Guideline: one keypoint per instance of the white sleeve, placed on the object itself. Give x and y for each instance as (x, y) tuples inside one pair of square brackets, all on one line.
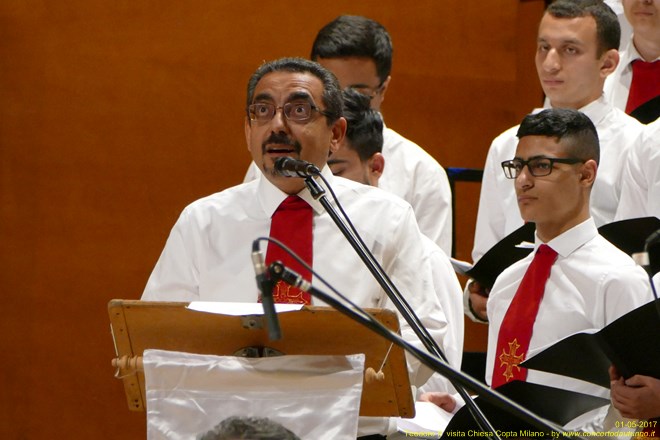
[(491, 218), (176, 276), (410, 271)]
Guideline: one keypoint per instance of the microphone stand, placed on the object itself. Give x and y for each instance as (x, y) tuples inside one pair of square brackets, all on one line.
[(280, 272), (397, 299)]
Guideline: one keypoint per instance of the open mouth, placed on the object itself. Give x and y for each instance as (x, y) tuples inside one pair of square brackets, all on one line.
[(280, 149)]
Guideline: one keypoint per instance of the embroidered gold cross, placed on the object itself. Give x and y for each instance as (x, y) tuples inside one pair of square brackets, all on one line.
[(285, 294), (510, 359)]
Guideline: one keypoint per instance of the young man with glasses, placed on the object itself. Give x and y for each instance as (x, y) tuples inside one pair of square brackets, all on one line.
[(576, 50), (589, 283), (294, 109), (358, 51)]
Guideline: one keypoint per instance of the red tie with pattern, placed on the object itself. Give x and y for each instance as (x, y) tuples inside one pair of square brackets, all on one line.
[(645, 84), (292, 225), (516, 329)]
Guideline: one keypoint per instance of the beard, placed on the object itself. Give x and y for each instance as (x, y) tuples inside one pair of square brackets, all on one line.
[(278, 143)]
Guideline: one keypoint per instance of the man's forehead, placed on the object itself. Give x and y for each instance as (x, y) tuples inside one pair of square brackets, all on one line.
[(289, 83), (580, 29), (538, 146), (352, 71)]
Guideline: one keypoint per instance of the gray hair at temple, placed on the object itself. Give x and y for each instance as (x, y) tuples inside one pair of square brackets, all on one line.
[(331, 91), (572, 127)]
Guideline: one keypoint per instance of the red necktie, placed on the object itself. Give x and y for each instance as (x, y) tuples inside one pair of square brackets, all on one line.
[(292, 225), (645, 84), (516, 329)]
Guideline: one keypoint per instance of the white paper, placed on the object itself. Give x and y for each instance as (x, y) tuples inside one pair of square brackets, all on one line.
[(239, 309), (430, 421)]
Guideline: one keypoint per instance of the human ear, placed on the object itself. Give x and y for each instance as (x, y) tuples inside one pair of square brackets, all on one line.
[(383, 88), (588, 172), (248, 129), (376, 165), (609, 61), (338, 133)]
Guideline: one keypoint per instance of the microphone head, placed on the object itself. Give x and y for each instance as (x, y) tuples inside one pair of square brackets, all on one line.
[(283, 163), (290, 167)]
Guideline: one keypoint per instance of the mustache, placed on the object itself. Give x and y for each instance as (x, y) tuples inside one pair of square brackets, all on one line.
[(281, 139)]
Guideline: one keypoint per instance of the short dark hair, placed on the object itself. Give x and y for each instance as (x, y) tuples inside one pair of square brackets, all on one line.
[(364, 129), (570, 126), (608, 29), (252, 428), (355, 36), (331, 89)]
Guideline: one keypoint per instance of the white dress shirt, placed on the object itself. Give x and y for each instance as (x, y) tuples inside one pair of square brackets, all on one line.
[(412, 174), (498, 213), (591, 284), (207, 256), (450, 296), (640, 190)]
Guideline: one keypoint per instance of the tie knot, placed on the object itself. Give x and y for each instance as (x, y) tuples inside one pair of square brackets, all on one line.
[(544, 249), (293, 203)]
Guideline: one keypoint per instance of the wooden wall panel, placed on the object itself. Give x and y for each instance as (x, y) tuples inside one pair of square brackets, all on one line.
[(115, 115)]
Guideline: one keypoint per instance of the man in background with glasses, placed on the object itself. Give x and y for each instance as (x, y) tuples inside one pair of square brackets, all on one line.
[(294, 109), (576, 50), (358, 51), (588, 282)]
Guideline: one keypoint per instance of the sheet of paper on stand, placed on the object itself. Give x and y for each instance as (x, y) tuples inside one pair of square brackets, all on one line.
[(239, 309), (429, 422)]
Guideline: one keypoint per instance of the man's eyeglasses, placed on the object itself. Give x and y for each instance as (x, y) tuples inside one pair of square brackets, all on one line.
[(369, 91), (293, 111), (538, 166)]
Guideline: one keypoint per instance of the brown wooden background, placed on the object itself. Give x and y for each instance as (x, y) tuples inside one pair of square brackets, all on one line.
[(116, 114)]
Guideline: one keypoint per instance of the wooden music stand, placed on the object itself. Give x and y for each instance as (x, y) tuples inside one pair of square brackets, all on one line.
[(140, 325)]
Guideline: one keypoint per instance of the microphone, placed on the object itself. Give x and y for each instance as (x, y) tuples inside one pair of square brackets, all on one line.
[(265, 285), (290, 167), (290, 276)]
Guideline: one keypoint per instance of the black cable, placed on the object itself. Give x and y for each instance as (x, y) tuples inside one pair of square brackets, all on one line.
[(353, 237), (435, 363)]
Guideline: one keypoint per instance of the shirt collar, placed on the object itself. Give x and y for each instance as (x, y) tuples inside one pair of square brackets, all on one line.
[(270, 196), (597, 110), (628, 55), (571, 240)]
